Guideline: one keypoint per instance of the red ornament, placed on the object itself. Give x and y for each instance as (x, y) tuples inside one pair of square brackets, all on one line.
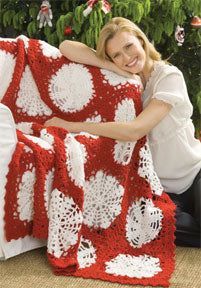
[(68, 30), (196, 22)]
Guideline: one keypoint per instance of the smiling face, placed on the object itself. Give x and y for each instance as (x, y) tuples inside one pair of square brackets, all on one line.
[(126, 51)]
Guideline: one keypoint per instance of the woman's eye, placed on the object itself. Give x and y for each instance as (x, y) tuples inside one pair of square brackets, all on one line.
[(128, 46), (116, 56)]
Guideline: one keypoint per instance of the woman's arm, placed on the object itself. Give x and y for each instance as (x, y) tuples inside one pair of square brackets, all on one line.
[(122, 131), (81, 53)]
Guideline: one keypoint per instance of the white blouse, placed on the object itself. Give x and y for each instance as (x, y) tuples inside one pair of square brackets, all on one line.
[(175, 151)]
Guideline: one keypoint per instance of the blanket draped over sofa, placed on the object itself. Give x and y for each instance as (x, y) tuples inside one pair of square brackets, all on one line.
[(97, 201)]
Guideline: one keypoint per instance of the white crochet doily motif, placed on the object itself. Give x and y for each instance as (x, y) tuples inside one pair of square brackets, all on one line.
[(25, 127), (29, 97), (102, 200), (146, 170), (25, 195), (75, 159), (27, 150), (95, 118), (116, 80), (143, 266), (44, 135), (7, 65), (48, 189), (65, 219), (125, 111), (143, 222), (86, 253), (66, 92), (49, 50), (43, 144), (123, 151)]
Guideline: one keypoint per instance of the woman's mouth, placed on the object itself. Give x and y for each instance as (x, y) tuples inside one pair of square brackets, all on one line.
[(131, 64)]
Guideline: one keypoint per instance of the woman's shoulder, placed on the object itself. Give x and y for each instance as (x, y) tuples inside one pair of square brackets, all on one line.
[(161, 70), (166, 68), (164, 74)]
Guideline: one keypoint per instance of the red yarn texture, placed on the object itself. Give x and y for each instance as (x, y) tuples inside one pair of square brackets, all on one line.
[(97, 201)]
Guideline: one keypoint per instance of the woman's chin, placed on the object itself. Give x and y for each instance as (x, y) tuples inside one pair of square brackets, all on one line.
[(135, 69)]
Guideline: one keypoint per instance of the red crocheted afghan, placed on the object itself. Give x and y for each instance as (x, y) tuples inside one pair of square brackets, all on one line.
[(97, 201)]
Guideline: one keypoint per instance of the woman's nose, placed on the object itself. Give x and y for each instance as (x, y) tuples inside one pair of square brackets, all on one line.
[(126, 57)]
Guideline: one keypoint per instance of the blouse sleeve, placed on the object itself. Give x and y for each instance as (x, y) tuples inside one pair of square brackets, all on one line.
[(171, 88)]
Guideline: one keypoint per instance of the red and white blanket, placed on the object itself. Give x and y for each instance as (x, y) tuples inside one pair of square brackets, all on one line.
[(97, 201)]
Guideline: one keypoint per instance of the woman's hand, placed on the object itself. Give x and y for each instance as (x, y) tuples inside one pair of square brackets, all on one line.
[(70, 126), (109, 65), (55, 121)]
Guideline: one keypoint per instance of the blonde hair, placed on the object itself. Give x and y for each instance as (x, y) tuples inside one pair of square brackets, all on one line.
[(122, 24)]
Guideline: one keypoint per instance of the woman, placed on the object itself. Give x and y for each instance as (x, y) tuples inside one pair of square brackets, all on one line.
[(124, 49)]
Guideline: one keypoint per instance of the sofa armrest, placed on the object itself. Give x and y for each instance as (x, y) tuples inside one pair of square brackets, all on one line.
[(8, 141)]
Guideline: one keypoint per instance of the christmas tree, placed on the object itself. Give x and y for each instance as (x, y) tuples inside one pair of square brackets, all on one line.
[(83, 20)]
